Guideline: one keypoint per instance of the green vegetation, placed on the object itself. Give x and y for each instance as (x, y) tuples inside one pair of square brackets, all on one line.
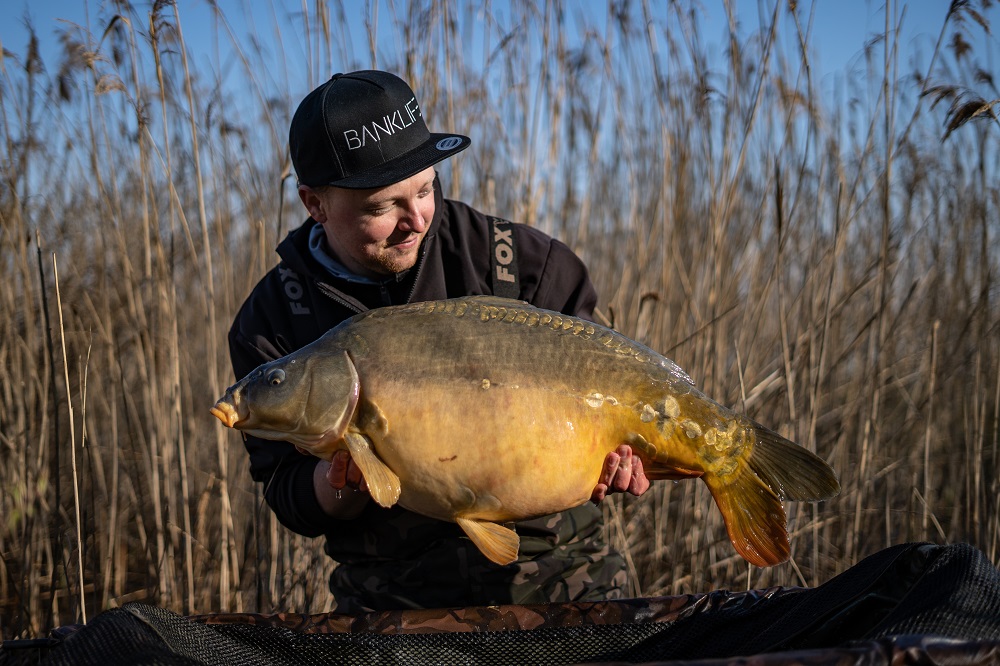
[(826, 261)]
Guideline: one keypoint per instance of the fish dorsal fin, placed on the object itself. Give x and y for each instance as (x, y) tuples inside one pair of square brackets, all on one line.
[(496, 301), (497, 542), (383, 484)]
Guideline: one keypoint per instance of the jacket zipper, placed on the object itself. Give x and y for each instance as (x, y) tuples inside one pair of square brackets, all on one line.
[(420, 265), (334, 295)]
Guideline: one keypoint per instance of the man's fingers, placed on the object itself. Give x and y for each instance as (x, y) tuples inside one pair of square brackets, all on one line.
[(623, 473), (337, 474), (610, 469), (600, 492), (638, 483), (609, 480), (344, 473)]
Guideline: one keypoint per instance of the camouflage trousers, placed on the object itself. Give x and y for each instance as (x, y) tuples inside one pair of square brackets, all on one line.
[(563, 557)]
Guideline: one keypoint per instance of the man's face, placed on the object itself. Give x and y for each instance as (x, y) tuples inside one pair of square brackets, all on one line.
[(375, 232)]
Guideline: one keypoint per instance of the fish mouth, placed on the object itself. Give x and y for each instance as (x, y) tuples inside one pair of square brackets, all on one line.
[(225, 412)]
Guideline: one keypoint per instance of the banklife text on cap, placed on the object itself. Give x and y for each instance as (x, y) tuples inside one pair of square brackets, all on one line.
[(364, 130)]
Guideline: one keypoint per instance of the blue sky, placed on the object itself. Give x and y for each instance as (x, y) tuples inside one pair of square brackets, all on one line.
[(841, 27)]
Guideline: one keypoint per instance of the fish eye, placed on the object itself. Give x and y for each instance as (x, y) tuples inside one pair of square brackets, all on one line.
[(275, 377)]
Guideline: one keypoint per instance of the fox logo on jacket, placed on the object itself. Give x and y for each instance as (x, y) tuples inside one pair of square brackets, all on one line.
[(503, 259)]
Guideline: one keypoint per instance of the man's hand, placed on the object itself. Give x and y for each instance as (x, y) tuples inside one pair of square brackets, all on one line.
[(344, 473), (340, 487), (622, 472)]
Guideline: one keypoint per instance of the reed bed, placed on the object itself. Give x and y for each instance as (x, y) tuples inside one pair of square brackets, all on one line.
[(821, 252)]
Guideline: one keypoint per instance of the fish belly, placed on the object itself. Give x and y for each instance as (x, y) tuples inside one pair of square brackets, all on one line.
[(497, 453)]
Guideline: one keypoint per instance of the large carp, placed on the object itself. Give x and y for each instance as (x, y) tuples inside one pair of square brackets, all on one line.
[(483, 410)]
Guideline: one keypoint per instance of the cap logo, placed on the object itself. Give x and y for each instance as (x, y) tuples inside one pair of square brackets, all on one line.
[(374, 130), (449, 143)]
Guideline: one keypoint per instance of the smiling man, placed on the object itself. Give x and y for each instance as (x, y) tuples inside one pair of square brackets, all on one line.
[(379, 233), (374, 232)]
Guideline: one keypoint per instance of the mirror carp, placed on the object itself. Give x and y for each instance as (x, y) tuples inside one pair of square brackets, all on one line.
[(483, 410)]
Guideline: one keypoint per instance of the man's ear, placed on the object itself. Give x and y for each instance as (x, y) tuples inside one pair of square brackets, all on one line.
[(313, 203)]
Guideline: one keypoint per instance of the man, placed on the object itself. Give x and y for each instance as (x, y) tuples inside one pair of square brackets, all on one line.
[(380, 233)]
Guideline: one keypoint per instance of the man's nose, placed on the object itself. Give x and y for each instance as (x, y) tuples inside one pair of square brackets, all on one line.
[(412, 219)]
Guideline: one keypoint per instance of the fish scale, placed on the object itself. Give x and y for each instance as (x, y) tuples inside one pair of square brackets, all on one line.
[(484, 411)]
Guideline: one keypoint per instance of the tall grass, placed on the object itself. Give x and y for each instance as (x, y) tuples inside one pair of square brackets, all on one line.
[(823, 255)]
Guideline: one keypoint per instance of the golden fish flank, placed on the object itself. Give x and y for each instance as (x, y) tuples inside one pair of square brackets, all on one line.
[(562, 393)]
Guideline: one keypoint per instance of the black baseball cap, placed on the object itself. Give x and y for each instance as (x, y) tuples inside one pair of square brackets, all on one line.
[(363, 130)]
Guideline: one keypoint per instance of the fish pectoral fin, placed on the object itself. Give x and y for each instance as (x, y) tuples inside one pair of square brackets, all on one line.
[(383, 484), (497, 542)]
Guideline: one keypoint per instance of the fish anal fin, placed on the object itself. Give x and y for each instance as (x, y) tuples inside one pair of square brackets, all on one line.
[(754, 516), (383, 484), (496, 542)]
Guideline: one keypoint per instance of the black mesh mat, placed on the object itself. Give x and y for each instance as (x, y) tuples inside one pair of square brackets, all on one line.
[(907, 604)]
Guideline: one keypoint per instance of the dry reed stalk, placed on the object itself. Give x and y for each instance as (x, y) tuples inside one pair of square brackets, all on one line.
[(229, 559), (72, 440), (928, 429), (995, 487), (175, 354), (54, 530), (152, 396)]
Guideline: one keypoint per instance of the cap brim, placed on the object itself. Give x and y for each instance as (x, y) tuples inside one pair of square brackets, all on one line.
[(438, 147)]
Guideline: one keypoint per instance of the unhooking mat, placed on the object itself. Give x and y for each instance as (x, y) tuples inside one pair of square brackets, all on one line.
[(913, 603)]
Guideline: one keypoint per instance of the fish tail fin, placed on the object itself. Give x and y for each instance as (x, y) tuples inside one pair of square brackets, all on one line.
[(793, 472), (755, 519), (750, 496)]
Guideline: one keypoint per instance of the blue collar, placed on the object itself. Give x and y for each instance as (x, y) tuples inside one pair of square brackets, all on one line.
[(318, 248)]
